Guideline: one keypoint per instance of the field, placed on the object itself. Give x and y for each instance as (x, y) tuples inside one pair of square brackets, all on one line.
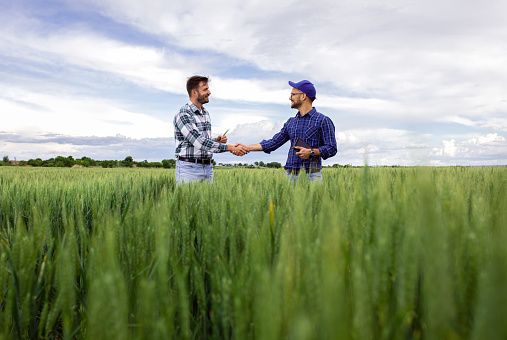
[(371, 253)]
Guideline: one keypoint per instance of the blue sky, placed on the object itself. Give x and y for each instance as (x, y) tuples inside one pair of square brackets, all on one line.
[(405, 82)]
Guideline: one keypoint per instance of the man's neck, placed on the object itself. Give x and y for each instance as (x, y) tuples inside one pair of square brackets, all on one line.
[(304, 109), (197, 104)]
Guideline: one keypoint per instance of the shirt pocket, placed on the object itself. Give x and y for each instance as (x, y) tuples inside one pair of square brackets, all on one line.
[(312, 135)]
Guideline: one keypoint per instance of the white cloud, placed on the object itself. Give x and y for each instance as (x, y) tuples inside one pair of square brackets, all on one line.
[(399, 54), (459, 120), (253, 133), (147, 66), (489, 149), (163, 70), (35, 113), (116, 147)]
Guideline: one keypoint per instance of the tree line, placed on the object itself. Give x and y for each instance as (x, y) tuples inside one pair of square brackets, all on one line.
[(69, 161), (128, 162)]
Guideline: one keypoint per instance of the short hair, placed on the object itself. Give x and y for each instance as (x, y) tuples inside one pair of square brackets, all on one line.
[(193, 83)]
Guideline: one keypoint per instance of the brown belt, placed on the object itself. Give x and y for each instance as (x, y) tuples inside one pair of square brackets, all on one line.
[(204, 161), (311, 171)]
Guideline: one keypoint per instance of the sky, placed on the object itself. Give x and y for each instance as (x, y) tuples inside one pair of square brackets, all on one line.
[(405, 82)]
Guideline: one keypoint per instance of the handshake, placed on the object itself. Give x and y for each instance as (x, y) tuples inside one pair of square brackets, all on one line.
[(238, 149)]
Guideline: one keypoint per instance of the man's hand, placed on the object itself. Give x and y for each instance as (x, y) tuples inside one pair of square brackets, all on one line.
[(238, 149), (221, 139), (302, 152)]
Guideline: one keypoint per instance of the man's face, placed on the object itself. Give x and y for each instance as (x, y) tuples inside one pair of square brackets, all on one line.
[(203, 93), (295, 98)]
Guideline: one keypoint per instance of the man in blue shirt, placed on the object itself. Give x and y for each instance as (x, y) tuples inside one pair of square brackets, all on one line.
[(312, 127)]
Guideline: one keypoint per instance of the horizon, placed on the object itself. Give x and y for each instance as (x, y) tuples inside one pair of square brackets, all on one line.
[(16, 162)]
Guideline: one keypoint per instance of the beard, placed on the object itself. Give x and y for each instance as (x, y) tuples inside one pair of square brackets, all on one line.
[(295, 105), (203, 99)]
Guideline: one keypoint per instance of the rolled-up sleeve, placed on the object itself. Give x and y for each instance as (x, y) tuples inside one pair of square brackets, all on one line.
[(277, 141), (187, 127), (328, 146)]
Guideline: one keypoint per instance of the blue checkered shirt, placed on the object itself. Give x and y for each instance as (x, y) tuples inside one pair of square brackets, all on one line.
[(192, 131), (315, 129)]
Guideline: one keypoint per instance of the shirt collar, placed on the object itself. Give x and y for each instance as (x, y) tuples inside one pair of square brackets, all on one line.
[(195, 109), (309, 113)]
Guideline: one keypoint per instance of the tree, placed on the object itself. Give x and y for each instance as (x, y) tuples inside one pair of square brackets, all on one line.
[(35, 162), (61, 161), (87, 161), (69, 161), (169, 163), (128, 162), (275, 165), (6, 159)]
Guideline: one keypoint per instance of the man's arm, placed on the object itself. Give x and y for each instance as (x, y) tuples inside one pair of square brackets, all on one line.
[(272, 144), (238, 149), (306, 153), (328, 146), (254, 147), (186, 125)]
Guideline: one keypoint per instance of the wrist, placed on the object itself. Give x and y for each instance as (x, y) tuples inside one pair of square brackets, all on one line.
[(254, 147)]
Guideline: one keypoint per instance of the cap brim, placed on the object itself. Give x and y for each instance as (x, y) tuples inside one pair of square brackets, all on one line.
[(293, 84)]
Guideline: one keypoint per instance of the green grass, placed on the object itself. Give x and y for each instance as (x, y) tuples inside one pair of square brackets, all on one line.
[(373, 253)]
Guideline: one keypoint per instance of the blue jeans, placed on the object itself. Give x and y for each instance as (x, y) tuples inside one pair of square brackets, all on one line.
[(190, 172), (314, 176)]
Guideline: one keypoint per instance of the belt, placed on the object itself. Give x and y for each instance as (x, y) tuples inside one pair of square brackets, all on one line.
[(296, 171), (204, 161)]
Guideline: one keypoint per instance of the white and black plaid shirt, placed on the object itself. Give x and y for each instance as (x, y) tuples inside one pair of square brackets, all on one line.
[(192, 131)]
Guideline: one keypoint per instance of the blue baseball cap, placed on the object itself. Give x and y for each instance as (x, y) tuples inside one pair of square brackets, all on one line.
[(306, 86)]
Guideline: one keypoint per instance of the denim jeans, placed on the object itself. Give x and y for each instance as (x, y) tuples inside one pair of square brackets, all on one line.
[(315, 176), (190, 172)]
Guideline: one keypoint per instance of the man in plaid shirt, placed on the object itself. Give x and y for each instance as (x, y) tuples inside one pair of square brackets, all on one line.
[(312, 127), (192, 131)]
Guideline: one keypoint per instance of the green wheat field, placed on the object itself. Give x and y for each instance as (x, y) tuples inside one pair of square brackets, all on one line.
[(370, 253)]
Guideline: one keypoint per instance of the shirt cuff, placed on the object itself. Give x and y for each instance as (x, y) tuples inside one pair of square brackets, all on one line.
[(265, 146), (222, 147)]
